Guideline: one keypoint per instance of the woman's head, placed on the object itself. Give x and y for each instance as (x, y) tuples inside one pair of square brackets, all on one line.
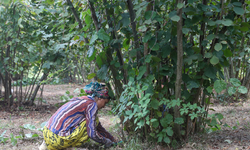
[(99, 92)]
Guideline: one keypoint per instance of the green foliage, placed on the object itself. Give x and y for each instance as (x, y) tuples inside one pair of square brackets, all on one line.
[(236, 87), (77, 93), (2, 138), (138, 56)]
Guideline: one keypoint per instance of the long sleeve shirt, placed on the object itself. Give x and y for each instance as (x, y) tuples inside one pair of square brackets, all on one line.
[(69, 116)]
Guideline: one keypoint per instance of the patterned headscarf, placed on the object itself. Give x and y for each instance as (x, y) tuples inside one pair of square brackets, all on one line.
[(97, 89)]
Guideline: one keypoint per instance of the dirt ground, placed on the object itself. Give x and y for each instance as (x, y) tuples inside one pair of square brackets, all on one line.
[(236, 115)]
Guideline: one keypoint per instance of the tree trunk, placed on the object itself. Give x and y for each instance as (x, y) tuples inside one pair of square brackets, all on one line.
[(176, 128), (133, 24), (32, 99), (118, 85)]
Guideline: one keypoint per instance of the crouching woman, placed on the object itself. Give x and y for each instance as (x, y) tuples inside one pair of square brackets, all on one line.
[(76, 121)]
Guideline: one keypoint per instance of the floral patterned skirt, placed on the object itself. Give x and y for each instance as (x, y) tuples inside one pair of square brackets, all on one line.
[(76, 139)]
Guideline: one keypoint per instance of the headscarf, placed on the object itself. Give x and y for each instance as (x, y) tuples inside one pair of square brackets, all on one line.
[(97, 89)]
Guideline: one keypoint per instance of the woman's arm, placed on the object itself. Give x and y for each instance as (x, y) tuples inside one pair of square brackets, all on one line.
[(91, 112), (101, 130)]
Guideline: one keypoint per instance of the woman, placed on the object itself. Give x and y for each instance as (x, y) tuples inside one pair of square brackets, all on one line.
[(76, 121)]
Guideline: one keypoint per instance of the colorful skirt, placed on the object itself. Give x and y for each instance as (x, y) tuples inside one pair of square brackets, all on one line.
[(76, 139)]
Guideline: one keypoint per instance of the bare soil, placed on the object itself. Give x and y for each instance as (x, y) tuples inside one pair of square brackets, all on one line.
[(236, 115)]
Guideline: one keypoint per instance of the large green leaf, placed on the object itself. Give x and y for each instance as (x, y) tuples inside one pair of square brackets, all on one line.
[(142, 70), (88, 20), (242, 89), (150, 15), (227, 22), (170, 131), (218, 46), (102, 73), (231, 90), (125, 19), (166, 120), (102, 35), (154, 104), (239, 10), (214, 60), (166, 140), (235, 82), (179, 121), (210, 37), (175, 18), (192, 84), (220, 85), (92, 75), (93, 38), (91, 51), (227, 53)]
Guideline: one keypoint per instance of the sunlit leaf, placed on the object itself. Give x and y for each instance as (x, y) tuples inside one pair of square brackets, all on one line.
[(175, 18), (235, 82), (214, 60), (242, 89), (91, 76), (218, 46)]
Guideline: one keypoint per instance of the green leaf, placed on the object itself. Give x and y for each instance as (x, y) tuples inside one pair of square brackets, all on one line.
[(244, 29), (180, 5), (219, 116), (166, 140), (155, 124), (170, 131), (192, 84), (46, 65), (148, 58), (235, 82), (90, 51), (211, 37), (102, 35), (237, 3), (150, 15), (154, 104), (220, 85), (242, 89), (76, 38), (239, 10), (88, 20), (175, 18), (166, 120), (214, 60), (146, 38), (211, 23), (228, 53), (208, 55), (155, 47), (209, 89), (35, 135), (227, 22), (125, 19), (218, 46), (185, 30), (178, 121), (231, 90), (102, 73), (92, 75), (93, 38), (142, 70)]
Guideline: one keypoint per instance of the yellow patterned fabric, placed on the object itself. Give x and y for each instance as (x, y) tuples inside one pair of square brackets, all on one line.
[(76, 139)]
